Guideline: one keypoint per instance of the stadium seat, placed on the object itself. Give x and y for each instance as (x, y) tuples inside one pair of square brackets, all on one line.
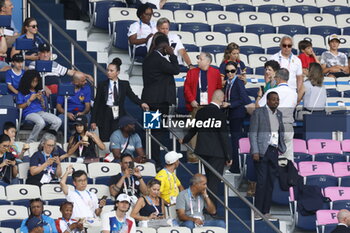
[(325, 30), (247, 18), (13, 212), (175, 6), (76, 166), (260, 29), (145, 230), (227, 28), (207, 7), (317, 40), (8, 113), (270, 9), (321, 181), (244, 39), (3, 199), (157, 14), (229, 2), (222, 17), (181, 102), (52, 192), (193, 56), (249, 50), (299, 145), (308, 168), (6, 230), (341, 204), (52, 211), (333, 92), (214, 49), (209, 229), (195, 27), (325, 218), (103, 169), (259, 70), (119, 33), (100, 11), (345, 181), (22, 193), (324, 3), (337, 193), (242, 7), (282, 18), (103, 153), (343, 84), (267, 2), (345, 145), (147, 169), (292, 30), (173, 230), (343, 20), (186, 37), (271, 40), (188, 16), (304, 9), (315, 19), (23, 171), (341, 169), (300, 157), (120, 13), (210, 38), (290, 3), (7, 100), (323, 146), (330, 157), (335, 10), (257, 60), (99, 189)]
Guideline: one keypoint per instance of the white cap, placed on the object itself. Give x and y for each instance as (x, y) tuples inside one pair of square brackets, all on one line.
[(123, 197), (333, 37), (172, 156)]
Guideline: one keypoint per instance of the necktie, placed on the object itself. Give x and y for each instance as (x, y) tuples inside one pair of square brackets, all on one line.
[(228, 85), (115, 93)]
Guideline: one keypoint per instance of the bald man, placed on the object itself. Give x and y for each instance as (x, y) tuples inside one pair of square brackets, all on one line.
[(212, 142), (344, 222)]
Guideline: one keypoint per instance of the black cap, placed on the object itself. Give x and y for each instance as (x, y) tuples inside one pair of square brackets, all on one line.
[(81, 120), (126, 120), (44, 47), (17, 58)]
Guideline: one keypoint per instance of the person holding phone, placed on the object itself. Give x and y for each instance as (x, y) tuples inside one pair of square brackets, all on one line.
[(66, 224), (8, 168)]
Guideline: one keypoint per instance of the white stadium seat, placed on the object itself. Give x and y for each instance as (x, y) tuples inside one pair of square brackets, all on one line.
[(284, 18), (99, 189), (323, 3), (210, 38), (343, 20), (103, 169), (145, 230), (157, 14), (244, 39), (218, 17), (76, 167), (173, 230), (257, 60), (23, 169), (147, 169), (6, 230), (187, 16), (290, 3), (186, 37), (22, 192), (248, 18), (209, 229), (53, 191), (103, 153), (267, 2), (52, 211), (121, 13), (271, 40), (314, 19), (316, 40), (192, 2), (8, 212)]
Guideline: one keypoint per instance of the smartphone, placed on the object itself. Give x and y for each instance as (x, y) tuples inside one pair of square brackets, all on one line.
[(131, 165), (104, 197), (160, 214), (173, 45), (262, 89)]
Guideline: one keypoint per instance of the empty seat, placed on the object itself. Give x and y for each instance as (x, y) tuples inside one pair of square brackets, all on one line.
[(238, 8), (193, 2), (100, 11), (145, 230), (186, 37), (304, 9), (220, 17), (343, 84), (300, 157), (157, 14), (121, 13), (325, 30), (207, 7), (341, 204), (337, 193), (271, 40), (308, 168), (103, 169), (210, 38), (195, 27), (173, 229), (244, 146), (214, 49), (244, 39), (335, 10), (227, 28), (345, 144), (299, 145), (324, 3), (6, 230), (99, 189), (53, 192), (229, 2), (249, 50), (321, 181), (76, 166), (281, 18), (52, 211), (187, 16), (292, 30), (247, 18), (326, 217), (267, 2), (343, 20), (290, 3), (270, 9), (316, 40), (257, 60), (323, 146), (341, 169), (330, 157), (260, 29), (314, 19), (22, 192), (174, 6), (209, 229), (8, 212), (147, 169)]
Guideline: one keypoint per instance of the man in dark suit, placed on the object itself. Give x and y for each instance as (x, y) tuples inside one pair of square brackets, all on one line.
[(212, 143), (344, 222), (159, 89), (266, 136)]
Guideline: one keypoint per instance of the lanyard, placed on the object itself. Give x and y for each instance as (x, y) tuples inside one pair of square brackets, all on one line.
[(200, 83), (81, 147), (67, 223), (131, 181), (283, 84), (289, 60), (82, 196), (50, 168), (154, 206), (191, 205), (228, 91), (169, 179)]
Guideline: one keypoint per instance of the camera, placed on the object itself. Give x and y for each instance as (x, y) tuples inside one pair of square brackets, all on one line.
[(131, 165), (10, 156)]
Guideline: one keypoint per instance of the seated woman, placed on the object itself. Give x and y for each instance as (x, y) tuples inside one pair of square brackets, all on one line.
[(151, 206), (8, 168), (33, 101), (45, 164), (38, 218), (140, 32), (82, 143)]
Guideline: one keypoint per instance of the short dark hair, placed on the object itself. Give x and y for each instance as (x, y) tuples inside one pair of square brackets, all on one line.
[(231, 63), (142, 9), (303, 44), (270, 94), (126, 155), (65, 203), (8, 124), (78, 174), (4, 138), (273, 64)]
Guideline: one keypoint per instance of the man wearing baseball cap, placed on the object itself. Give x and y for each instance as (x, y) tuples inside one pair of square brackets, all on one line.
[(333, 62), (170, 184), (117, 220)]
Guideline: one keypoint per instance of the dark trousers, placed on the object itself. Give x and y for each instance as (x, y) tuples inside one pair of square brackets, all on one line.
[(108, 126), (266, 171), (236, 126), (213, 181)]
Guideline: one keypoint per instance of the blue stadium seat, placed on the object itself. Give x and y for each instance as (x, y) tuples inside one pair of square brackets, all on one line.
[(181, 103), (227, 28), (292, 29), (325, 30), (345, 181), (319, 51), (345, 50), (247, 50), (333, 92), (100, 12), (7, 100), (328, 228), (322, 181), (2, 76), (238, 8), (272, 9), (191, 48), (102, 180), (299, 157), (341, 204), (3, 89), (8, 113), (259, 70), (55, 201), (205, 7), (174, 6), (195, 27), (249, 70), (12, 223), (330, 157), (174, 26), (120, 34), (336, 10), (214, 49), (346, 31), (260, 29), (304, 9), (278, 195)]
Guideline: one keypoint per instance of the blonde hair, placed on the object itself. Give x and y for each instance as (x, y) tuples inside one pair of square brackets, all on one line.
[(229, 48)]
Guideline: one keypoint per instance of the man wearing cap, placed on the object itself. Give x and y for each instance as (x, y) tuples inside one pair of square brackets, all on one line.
[(170, 185), (118, 220), (14, 75), (51, 78), (333, 62)]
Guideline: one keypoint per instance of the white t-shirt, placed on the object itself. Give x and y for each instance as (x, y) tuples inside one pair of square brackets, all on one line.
[(142, 30), (112, 224), (292, 64), (85, 203)]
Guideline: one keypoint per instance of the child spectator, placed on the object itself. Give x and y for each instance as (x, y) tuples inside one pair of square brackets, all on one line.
[(67, 223), (9, 129), (14, 75), (307, 56)]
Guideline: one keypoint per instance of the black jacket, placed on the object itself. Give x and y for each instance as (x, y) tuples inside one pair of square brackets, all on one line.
[(341, 229)]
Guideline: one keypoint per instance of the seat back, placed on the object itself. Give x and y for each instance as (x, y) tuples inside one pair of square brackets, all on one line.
[(187, 16), (147, 169), (76, 167), (103, 169), (220, 17), (282, 18), (6, 230), (316, 40), (308, 168), (337, 193), (22, 192), (145, 230), (8, 212), (248, 18), (23, 169), (315, 19), (99, 189), (244, 146), (257, 60), (173, 230), (323, 146), (345, 145), (299, 145), (52, 211), (271, 40), (210, 38), (324, 217), (53, 191), (209, 229), (244, 39), (157, 14)]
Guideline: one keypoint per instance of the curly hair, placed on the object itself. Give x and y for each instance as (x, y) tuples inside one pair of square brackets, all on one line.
[(26, 82)]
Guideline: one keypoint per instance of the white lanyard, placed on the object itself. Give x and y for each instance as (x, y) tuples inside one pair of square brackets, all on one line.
[(82, 196), (131, 181), (289, 61), (154, 206), (169, 179), (191, 205)]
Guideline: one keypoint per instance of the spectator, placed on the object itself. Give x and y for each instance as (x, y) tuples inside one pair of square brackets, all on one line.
[(170, 185), (199, 87), (163, 26), (67, 223), (9, 129), (33, 101), (14, 75), (333, 62), (314, 93), (52, 78), (151, 206), (8, 167), (83, 143), (236, 98), (307, 55), (266, 136), (3, 51), (109, 100), (126, 141), (6, 8), (159, 89), (288, 100), (85, 203), (344, 222), (128, 181), (232, 54), (45, 164), (191, 202), (271, 68), (37, 218), (118, 220), (141, 31), (292, 63), (29, 31)]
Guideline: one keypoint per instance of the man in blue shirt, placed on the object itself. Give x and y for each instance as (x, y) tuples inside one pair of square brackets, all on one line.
[(14, 75)]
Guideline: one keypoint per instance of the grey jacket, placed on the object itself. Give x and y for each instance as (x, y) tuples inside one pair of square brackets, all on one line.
[(260, 132)]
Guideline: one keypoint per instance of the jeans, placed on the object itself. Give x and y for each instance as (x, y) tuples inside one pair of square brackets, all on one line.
[(207, 223)]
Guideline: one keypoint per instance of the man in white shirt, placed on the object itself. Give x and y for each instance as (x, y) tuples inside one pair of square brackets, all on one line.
[(292, 63), (288, 101), (86, 204)]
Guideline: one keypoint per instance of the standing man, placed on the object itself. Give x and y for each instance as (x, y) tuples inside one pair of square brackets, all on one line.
[(288, 99), (292, 63), (159, 90), (266, 136), (344, 222), (199, 87), (212, 143)]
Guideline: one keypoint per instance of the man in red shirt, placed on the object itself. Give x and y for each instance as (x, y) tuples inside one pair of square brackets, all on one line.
[(307, 56)]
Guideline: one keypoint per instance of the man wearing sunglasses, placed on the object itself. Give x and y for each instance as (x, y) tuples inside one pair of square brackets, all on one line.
[(292, 63)]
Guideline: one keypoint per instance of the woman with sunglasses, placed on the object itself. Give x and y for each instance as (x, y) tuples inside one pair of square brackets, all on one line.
[(236, 98), (29, 31), (8, 168)]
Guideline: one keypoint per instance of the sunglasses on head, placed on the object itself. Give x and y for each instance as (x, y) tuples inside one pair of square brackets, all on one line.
[(287, 45), (230, 71), (33, 26)]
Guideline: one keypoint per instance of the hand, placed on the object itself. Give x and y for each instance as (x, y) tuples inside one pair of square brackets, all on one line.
[(197, 221), (93, 126), (225, 104), (243, 77), (57, 159), (76, 225), (69, 169), (181, 141), (153, 215), (4, 163), (33, 97), (169, 50), (88, 76), (204, 192), (137, 172), (194, 104), (70, 116), (102, 202), (140, 159), (13, 163), (191, 67), (47, 91), (80, 114), (127, 172), (89, 134), (228, 163), (313, 54), (84, 143), (260, 92), (256, 157), (267, 78), (145, 107), (50, 161), (80, 225)]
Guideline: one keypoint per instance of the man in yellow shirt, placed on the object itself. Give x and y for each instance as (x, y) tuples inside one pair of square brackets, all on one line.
[(170, 184)]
